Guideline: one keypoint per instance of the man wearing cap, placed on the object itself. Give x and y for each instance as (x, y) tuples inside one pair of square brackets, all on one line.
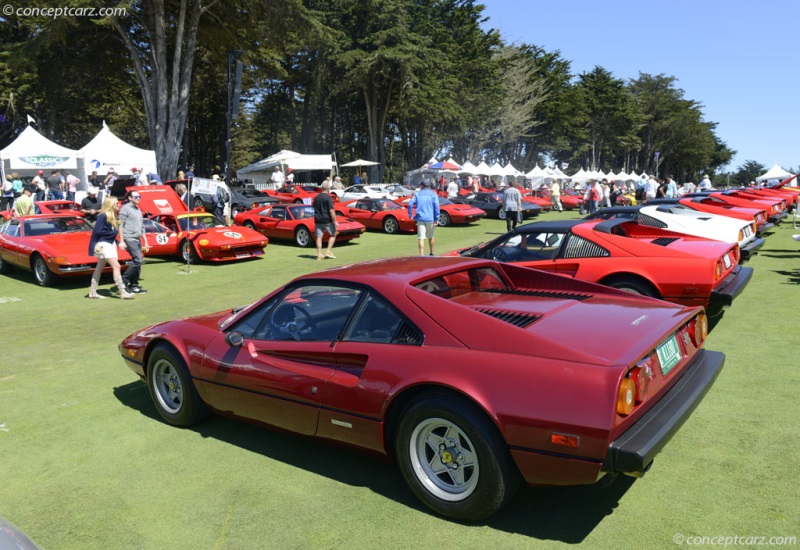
[(426, 203), (91, 204), (705, 183), (139, 176), (41, 186), (131, 238), (277, 177)]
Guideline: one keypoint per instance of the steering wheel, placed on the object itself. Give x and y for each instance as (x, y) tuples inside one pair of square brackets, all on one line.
[(291, 322), (499, 253)]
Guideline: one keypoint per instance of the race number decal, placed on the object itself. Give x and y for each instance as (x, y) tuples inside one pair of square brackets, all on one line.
[(232, 235), (162, 238)]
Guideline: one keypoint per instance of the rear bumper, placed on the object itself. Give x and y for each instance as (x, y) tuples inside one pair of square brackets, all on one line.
[(634, 451), (731, 287), (765, 228), (752, 247), (778, 218)]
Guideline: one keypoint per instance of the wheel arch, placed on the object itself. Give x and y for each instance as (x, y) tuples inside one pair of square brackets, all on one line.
[(621, 276), (412, 393), (163, 340)]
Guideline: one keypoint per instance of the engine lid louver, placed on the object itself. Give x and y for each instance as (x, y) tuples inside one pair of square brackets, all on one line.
[(515, 318), (558, 295), (664, 241)]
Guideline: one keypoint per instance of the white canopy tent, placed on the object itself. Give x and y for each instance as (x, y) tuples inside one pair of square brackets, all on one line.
[(776, 173), (31, 152), (482, 169), (580, 176), (468, 168), (260, 173), (106, 151)]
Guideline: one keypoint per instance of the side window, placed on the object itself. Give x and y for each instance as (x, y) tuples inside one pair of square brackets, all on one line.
[(380, 323), (255, 319), (309, 313), (12, 228)]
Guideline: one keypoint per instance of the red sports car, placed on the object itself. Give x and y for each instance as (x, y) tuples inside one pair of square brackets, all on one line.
[(393, 356), (69, 208), (383, 214), (298, 194), (623, 254), (775, 210), (200, 235), (711, 204), (451, 213), (294, 223), (540, 197), (50, 246)]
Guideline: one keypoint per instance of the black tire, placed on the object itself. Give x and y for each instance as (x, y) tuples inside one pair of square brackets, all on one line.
[(302, 236), (5, 267), (298, 201), (470, 475), (41, 272), (444, 219), (250, 225), (501, 214), (188, 253), (197, 202), (172, 389), (633, 285), (390, 225)]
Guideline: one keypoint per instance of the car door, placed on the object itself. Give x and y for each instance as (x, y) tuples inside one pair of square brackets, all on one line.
[(268, 220), (361, 211), (278, 374), (10, 247), (160, 240)]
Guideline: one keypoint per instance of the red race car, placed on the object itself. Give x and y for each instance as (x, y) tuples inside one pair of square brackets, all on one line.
[(299, 194), (294, 223), (451, 213), (50, 246), (623, 254), (383, 214), (199, 235), (392, 356)]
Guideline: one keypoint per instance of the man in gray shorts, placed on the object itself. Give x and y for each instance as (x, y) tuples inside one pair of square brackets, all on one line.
[(427, 214), (324, 220)]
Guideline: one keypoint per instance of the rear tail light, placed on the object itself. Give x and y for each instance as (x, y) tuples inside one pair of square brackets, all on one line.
[(626, 398), (753, 228), (741, 235), (698, 330), (641, 376), (737, 253), (719, 269)]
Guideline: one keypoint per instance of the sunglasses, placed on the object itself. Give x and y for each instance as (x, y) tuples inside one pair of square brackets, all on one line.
[(136, 196)]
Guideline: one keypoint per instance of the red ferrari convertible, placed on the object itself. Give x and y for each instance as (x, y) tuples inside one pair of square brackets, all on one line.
[(198, 235), (50, 246), (451, 213), (394, 356), (293, 223), (383, 214), (298, 194), (623, 254)]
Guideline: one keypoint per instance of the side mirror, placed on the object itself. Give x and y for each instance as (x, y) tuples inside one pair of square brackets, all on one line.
[(234, 339)]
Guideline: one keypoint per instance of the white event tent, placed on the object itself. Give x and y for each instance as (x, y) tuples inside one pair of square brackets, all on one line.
[(106, 151), (776, 173), (31, 152), (260, 173)]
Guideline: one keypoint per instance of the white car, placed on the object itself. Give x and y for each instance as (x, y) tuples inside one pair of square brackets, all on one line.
[(682, 219), (355, 192)]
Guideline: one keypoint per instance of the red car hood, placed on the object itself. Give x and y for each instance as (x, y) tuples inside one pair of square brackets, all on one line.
[(75, 246)]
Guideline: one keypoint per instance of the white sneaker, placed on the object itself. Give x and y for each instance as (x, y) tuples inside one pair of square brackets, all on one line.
[(796, 237)]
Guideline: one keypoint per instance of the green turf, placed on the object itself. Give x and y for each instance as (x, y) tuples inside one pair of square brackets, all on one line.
[(85, 462)]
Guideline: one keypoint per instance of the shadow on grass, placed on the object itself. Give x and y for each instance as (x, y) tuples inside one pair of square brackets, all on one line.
[(566, 514), (792, 276)]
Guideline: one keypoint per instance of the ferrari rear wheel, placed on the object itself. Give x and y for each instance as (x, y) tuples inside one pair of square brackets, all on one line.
[(188, 252), (43, 275), (298, 201), (250, 225), (444, 219), (633, 285), (172, 389), (501, 213), (302, 236), (390, 225), (454, 459), (198, 202), (5, 267)]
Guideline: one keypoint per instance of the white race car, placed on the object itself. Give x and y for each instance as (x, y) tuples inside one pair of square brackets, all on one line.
[(355, 192), (682, 219)]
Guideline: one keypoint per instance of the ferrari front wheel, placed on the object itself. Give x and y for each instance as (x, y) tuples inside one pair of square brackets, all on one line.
[(444, 219), (390, 225), (172, 389), (501, 214), (188, 252), (454, 459), (302, 236), (43, 275)]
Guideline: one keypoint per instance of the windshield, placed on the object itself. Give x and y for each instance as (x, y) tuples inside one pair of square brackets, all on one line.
[(193, 222), (53, 226)]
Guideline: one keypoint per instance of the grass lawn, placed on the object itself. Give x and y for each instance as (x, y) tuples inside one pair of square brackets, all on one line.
[(86, 463)]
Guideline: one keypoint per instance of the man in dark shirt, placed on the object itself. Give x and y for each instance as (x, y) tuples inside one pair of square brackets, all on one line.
[(324, 220), (55, 186), (91, 205)]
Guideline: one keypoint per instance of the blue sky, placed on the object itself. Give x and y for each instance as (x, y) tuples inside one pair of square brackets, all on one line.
[(740, 60)]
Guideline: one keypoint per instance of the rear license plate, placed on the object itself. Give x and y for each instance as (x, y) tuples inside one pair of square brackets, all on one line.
[(727, 260), (669, 354), (241, 256)]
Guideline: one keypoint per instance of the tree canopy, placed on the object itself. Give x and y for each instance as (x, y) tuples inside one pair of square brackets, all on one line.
[(394, 81)]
